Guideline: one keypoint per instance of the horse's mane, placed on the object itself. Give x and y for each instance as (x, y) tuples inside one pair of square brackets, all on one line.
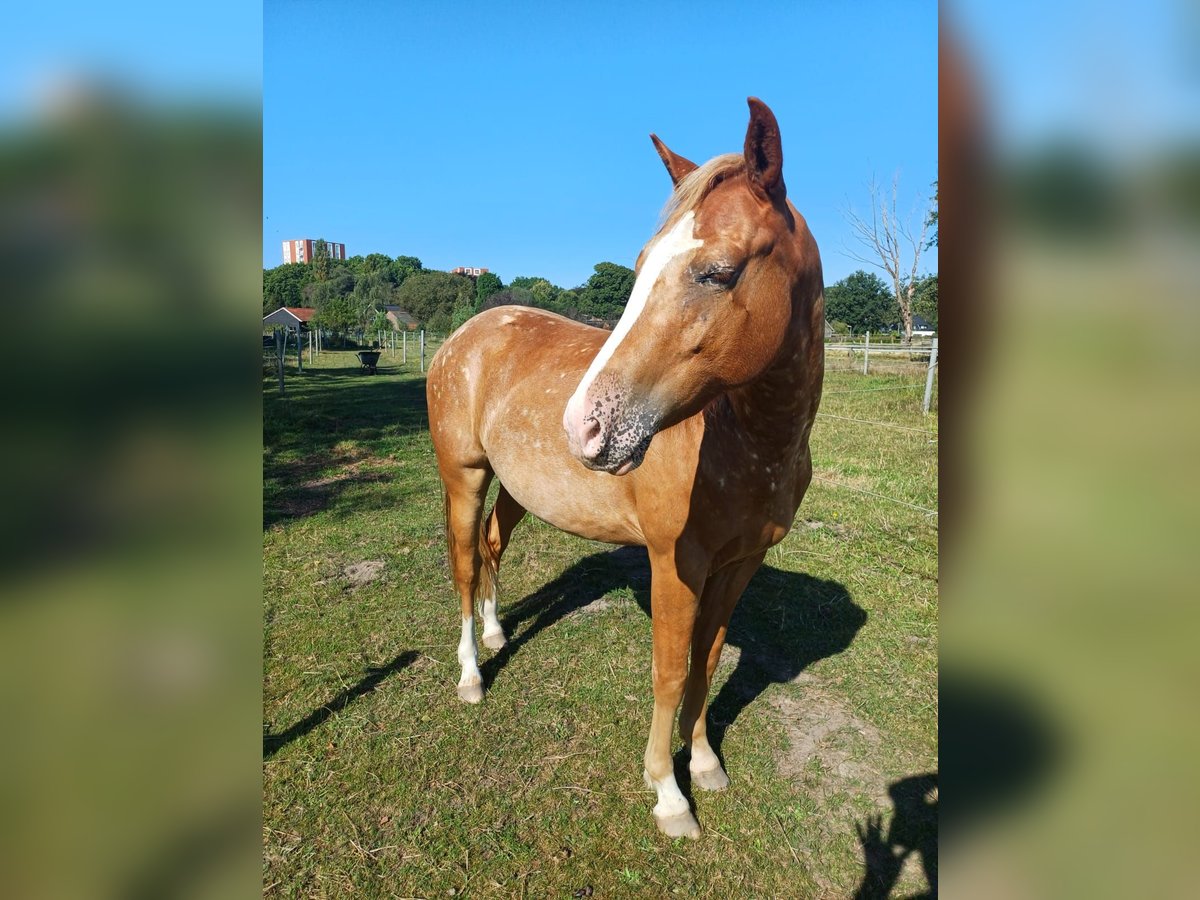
[(697, 184)]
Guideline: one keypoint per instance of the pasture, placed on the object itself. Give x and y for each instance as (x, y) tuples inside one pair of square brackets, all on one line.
[(379, 782)]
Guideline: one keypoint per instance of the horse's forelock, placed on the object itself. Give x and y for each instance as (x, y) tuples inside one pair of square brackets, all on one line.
[(696, 185)]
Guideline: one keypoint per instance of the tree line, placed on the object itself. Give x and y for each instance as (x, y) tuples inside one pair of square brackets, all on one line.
[(353, 294), (863, 301)]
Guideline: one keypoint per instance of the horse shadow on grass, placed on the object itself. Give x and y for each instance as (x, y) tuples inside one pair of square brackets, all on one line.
[(1005, 748), (376, 675), (784, 622), (306, 468)]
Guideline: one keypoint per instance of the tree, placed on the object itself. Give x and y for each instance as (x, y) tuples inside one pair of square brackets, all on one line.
[(486, 285), (320, 260), (863, 301), (432, 296), (607, 291), (932, 220), (404, 266), (377, 262), (925, 300), (884, 238), (284, 285), (372, 293), (510, 296), (380, 321), (544, 294), (462, 311), (337, 313), (567, 303)]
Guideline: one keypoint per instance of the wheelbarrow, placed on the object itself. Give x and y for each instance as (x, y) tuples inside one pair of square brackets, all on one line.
[(368, 360)]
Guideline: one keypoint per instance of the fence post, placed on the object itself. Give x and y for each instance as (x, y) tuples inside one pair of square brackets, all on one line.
[(929, 377), (422, 349), (299, 353), (280, 349), (866, 352), (404, 348)]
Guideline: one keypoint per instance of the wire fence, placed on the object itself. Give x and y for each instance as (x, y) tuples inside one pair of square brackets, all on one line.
[(289, 349), (862, 359)]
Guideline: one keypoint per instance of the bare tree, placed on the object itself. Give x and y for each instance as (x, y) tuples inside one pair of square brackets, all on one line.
[(889, 241)]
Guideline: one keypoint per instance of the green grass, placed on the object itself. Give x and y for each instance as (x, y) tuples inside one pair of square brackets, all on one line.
[(379, 782)]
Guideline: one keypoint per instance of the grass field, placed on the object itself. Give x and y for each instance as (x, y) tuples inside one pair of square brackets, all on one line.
[(378, 782)]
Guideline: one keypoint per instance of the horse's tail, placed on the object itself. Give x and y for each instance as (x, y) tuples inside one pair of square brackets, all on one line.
[(489, 577), (449, 532), (489, 573)]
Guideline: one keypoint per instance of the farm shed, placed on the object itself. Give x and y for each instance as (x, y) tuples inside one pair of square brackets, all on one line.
[(293, 317), (401, 319)]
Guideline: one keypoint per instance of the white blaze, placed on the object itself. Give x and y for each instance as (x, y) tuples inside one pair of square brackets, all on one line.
[(678, 240)]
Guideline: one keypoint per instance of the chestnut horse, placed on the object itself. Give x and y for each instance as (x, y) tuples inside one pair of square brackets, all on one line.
[(686, 429)]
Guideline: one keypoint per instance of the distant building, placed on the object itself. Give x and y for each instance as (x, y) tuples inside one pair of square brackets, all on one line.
[(401, 319), (468, 270), (293, 317), (301, 250)]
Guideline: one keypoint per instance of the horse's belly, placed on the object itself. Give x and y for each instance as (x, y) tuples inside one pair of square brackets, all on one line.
[(555, 487)]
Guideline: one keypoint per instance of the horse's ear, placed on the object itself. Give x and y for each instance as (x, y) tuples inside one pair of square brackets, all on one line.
[(676, 165), (764, 153)]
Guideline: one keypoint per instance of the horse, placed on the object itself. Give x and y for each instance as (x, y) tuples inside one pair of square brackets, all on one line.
[(685, 429)]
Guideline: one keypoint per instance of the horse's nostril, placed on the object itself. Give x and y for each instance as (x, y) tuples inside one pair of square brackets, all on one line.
[(592, 437)]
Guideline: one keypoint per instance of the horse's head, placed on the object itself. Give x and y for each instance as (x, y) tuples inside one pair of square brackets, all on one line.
[(711, 307)]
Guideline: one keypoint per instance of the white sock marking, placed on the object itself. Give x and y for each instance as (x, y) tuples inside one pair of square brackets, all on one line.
[(491, 624), (676, 241), (703, 759), (467, 655), (671, 801)]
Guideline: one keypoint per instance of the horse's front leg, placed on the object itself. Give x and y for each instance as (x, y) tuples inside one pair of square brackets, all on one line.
[(721, 593), (673, 605)]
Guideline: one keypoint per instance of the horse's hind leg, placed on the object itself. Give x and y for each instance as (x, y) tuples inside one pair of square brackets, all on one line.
[(721, 593), (496, 532), (466, 490)]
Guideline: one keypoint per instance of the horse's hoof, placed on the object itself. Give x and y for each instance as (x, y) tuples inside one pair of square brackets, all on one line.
[(682, 825), (712, 780), (495, 641), (471, 692)]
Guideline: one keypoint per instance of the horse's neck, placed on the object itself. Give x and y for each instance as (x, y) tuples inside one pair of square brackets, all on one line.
[(774, 413)]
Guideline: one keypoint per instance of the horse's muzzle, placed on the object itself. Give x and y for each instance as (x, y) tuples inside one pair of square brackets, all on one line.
[(605, 438)]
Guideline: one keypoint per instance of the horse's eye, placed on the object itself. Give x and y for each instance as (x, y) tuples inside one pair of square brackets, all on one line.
[(719, 276)]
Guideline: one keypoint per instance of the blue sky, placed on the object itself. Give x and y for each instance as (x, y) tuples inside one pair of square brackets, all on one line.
[(163, 52), (515, 136)]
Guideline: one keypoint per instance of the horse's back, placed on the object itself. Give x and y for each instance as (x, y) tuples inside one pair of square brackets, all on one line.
[(495, 357)]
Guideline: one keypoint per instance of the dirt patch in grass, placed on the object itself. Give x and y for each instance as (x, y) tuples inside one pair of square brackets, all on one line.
[(829, 758), (816, 525), (862, 482), (825, 735), (364, 572), (599, 605)]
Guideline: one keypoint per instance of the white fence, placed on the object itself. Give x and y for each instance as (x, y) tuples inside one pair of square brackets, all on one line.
[(914, 352)]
